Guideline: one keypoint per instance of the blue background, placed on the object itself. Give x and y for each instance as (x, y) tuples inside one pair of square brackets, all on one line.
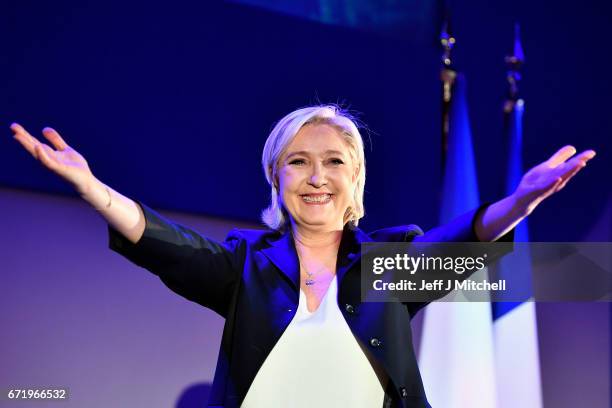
[(171, 104)]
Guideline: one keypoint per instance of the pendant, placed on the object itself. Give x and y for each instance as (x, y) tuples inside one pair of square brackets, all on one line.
[(310, 282)]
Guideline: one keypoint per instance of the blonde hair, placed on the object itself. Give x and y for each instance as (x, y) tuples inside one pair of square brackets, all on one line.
[(275, 216)]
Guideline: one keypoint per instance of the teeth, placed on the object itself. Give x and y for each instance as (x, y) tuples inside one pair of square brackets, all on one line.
[(317, 199)]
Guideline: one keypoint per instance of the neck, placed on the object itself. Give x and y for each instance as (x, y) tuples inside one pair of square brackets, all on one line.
[(315, 239)]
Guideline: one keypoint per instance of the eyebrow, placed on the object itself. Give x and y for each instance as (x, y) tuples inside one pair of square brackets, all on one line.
[(305, 153)]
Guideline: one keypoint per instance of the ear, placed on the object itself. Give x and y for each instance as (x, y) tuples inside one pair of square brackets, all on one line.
[(356, 173), (274, 177)]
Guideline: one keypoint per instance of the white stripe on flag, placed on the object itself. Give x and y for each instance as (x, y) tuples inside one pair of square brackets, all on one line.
[(516, 358), (456, 354)]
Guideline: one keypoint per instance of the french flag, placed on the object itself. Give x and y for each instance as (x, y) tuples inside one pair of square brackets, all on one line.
[(480, 354), (515, 334), (456, 354)]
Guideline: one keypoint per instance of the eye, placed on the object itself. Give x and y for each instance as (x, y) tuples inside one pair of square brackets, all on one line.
[(297, 162), (337, 162)]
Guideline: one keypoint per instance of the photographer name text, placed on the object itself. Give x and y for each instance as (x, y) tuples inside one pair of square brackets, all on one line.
[(440, 285)]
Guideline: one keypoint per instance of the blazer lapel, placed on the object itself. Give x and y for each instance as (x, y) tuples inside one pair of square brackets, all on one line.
[(349, 252), (283, 254)]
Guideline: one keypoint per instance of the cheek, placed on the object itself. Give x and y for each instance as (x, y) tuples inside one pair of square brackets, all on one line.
[(284, 180), (347, 181), (286, 175), (288, 183)]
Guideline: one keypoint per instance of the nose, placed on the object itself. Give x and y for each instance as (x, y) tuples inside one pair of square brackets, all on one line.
[(317, 178)]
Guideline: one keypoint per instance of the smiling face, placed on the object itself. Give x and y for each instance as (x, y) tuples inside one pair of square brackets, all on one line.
[(317, 178)]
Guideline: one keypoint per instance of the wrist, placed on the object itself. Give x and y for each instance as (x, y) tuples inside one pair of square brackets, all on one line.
[(97, 194), (520, 206), (87, 188)]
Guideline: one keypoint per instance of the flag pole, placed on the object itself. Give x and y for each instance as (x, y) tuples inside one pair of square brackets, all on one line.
[(515, 63), (515, 327), (456, 349), (447, 76)]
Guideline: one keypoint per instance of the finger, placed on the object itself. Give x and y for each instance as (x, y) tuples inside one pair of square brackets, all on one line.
[(586, 156), (555, 186), (47, 156), (55, 139), (576, 163), (17, 128), (551, 188), (25, 142), (572, 168), (23, 137), (561, 155), (568, 178)]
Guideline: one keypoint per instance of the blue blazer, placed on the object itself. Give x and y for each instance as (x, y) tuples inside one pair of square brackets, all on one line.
[(253, 280)]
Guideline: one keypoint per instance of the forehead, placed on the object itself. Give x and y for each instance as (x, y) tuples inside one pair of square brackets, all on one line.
[(318, 138)]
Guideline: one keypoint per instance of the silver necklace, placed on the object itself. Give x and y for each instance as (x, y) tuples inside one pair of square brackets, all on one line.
[(309, 279), (310, 276)]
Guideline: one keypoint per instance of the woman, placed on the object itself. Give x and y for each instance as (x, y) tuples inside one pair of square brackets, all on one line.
[(296, 333)]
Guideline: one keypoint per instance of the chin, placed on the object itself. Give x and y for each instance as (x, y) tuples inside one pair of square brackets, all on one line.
[(320, 223)]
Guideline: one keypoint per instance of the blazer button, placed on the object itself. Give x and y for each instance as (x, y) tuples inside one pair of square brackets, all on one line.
[(374, 342), (403, 392), (351, 256), (349, 308)]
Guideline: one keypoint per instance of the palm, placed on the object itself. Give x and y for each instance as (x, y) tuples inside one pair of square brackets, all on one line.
[(61, 159), (551, 176)]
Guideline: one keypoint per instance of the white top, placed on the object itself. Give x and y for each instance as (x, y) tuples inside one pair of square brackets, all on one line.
[(317, 362)]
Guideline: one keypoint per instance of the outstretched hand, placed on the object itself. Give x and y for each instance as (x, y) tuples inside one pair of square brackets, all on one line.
[(62, 159), (550, 176)]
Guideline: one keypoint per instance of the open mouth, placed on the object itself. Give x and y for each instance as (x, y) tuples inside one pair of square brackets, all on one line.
[(316, 198)]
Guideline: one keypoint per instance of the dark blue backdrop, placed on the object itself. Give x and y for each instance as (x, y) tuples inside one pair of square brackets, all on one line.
[(171, 104)]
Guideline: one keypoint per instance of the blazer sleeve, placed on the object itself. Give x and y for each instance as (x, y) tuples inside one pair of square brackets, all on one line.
[(460, 229), (198, 268)]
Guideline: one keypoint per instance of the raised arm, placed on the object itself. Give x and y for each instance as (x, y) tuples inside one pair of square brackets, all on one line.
[(536, 185), (196, 267), (120, 212)]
